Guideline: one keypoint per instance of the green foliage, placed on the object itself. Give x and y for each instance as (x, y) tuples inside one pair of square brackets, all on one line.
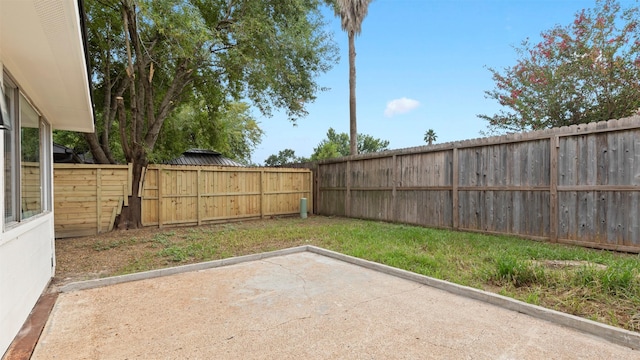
[(229, 129), (30, 144), (430, 136), (516, 271), (326, 150), (621, 279), (70, 139), (583, 72), (192, 61), (163, 238), (352, 13), (180, 253), (286, 156), (337, 145)]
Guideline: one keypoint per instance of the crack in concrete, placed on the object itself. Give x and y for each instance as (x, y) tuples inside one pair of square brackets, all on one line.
[(297, 274), (383, 297), (269, 328)]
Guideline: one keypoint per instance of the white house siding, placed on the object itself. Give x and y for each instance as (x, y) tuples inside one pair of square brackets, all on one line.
[(41, 47), (26, 254), (26, 262)]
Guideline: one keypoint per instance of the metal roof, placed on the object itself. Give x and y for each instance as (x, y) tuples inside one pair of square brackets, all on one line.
[(202, 157)]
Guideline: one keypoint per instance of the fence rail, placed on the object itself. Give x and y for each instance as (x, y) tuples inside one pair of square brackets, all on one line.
[(578, 184)]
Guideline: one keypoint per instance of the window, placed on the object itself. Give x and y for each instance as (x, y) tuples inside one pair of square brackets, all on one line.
[(10, 176), (30, 164), (26, 152)]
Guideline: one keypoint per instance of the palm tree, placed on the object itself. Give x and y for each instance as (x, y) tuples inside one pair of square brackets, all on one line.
[(430, 136), (352, 13)]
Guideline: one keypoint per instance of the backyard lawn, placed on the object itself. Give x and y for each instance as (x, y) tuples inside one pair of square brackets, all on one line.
[(594, 284)]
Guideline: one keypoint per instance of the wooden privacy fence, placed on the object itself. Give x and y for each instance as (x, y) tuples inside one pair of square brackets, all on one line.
[(577, 185), (87, 198), (173, 195)]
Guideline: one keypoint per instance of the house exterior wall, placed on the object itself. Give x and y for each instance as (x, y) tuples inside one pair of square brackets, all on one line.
[(26, 257), (27, 261), (42, 56)]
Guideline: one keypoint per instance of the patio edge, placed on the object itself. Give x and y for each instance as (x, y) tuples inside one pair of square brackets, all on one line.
[(95, 283), (610, 333)]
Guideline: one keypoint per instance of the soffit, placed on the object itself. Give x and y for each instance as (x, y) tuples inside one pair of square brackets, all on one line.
[(41, 47)]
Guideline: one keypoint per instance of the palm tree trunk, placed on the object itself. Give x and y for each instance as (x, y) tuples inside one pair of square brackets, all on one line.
[(352, 95)]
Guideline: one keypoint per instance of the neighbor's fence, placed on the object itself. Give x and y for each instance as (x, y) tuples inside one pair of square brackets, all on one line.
[(87, 198), (577, 185), (174, 194)]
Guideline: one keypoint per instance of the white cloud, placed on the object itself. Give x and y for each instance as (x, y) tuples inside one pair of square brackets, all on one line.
[(400, 106)]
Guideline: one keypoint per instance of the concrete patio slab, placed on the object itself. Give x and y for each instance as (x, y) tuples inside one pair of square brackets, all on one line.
[(306, 303)]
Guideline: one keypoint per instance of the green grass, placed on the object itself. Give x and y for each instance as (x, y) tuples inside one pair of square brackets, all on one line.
[(507, 265)]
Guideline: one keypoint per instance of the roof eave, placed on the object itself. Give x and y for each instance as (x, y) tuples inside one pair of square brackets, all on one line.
[(43, 48)]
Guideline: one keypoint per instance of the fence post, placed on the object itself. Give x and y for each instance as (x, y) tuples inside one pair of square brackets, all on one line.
[(554, 144), (99, 200), (454, 189), (347, 197), (394, 175), (199, 198), (159, 182), (316, 188), (311, 194), (261, 194)]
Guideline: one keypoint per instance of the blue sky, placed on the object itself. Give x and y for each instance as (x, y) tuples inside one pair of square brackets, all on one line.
[(433, 54)]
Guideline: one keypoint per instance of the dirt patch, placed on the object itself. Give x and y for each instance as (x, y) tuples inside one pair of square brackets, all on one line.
[(568, 264), (125, 251)]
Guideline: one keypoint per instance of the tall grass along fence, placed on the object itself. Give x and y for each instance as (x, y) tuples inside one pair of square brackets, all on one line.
[(87, 198), (577, 185)]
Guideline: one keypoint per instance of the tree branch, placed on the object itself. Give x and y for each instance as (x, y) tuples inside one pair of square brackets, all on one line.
[(181, 79), (94, 145), (122, 120)]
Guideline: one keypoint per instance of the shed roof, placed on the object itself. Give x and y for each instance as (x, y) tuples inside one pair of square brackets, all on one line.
[(202, 157), (63, 154)]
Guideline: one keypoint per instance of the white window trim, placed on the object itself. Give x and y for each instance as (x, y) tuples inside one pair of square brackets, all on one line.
[(46, 159)]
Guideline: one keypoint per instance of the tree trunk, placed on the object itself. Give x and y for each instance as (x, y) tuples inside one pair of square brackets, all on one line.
[(99, 156), (145, 113), (353, 144), (131, 216)]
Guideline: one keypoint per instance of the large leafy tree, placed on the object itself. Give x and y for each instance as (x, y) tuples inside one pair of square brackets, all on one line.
[(284, 157), (583, 72), (338, 144), (150, 57), (352, 13)]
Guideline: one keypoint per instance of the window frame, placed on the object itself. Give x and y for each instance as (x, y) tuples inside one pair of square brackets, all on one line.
[(45, 158), (11, 89)]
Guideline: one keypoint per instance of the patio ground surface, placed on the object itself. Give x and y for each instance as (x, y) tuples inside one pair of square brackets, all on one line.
[(309, 303)]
